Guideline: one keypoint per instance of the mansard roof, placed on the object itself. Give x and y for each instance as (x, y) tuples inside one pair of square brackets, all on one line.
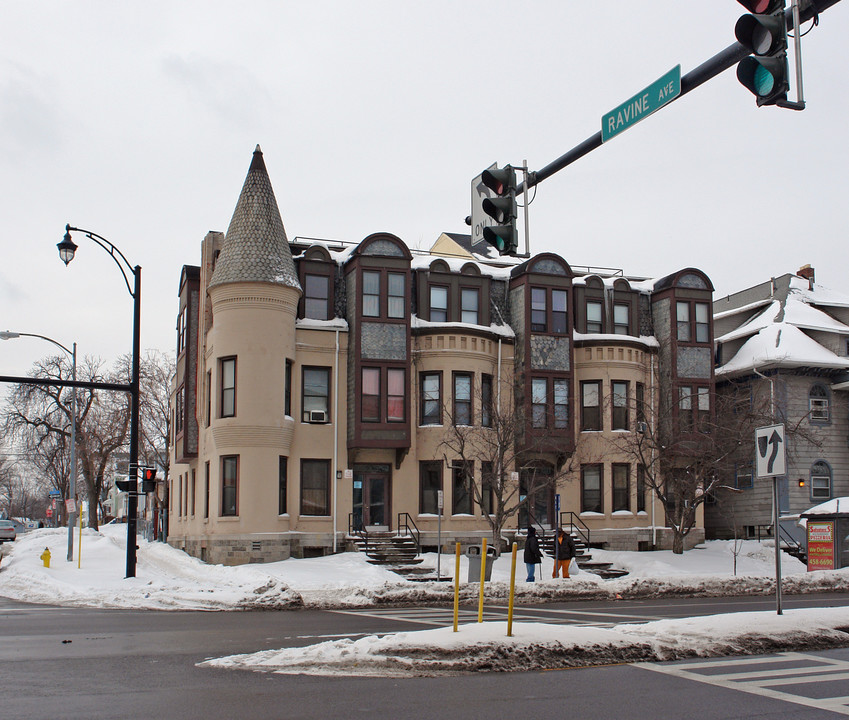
[(255, 247)]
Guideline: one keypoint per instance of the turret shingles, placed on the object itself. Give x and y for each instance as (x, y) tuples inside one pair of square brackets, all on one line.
[(256, 248)]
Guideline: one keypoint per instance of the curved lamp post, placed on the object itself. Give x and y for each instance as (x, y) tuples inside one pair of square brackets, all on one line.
[(67, 248), (72, 481)]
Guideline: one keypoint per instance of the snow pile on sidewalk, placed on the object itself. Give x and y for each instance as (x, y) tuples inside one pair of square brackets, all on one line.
[(168, 579), (536, 646)]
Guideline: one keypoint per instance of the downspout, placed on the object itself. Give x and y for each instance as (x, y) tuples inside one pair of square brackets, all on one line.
[(336, 444), (654, 434)]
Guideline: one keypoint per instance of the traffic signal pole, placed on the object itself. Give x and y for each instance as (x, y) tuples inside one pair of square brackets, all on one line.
[(709, 69)]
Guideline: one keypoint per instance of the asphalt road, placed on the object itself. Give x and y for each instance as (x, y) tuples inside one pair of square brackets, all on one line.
[(77, 663)]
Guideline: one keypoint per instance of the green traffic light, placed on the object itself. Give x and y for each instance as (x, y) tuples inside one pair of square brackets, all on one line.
[(763, 81)]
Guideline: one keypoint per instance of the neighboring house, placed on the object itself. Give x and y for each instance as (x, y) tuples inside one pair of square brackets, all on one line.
[(785, 343), (317, 380)]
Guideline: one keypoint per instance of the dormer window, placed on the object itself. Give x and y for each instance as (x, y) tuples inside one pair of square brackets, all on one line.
[(594, 316), (316, 296)]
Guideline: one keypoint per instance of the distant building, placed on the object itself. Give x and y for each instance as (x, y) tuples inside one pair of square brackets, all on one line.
[(317, 380), (785, 342)]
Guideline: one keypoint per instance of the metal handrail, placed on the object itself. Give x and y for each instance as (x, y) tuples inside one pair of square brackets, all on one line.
[(406, 522), (357, 529), (576, 525)]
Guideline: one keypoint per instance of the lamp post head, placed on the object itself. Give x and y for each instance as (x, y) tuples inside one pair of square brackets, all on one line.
[(67, 247), (8, 335)]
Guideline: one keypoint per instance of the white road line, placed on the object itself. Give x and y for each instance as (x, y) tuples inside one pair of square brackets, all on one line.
[(834, 704)]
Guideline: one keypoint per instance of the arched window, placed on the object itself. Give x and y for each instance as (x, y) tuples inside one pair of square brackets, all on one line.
[(818, 404), (820, 481)]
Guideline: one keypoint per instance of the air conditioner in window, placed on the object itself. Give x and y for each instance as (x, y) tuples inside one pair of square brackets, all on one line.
[(317, 416)]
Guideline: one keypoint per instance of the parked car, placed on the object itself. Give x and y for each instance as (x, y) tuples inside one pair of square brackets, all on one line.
[(7, 531)]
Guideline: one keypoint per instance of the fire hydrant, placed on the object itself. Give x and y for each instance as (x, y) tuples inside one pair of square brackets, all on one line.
[(45, 557)]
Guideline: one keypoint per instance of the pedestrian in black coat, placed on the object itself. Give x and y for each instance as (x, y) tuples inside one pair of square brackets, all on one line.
[(532, 555)]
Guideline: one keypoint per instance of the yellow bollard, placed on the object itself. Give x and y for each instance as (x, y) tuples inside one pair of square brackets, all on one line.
[(45, 557), (80, 542), (483, 577), (512, 592), (457, 588)]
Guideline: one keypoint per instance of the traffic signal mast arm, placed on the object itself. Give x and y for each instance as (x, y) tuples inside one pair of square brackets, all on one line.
[(710, 68)]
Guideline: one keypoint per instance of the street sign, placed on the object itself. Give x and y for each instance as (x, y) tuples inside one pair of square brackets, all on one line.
[(770, 451), (480, 219), (440, 499), (644, 103), (557, 503), (54, 493)]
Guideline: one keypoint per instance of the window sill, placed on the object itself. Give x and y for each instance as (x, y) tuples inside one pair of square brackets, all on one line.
[(228, 518)]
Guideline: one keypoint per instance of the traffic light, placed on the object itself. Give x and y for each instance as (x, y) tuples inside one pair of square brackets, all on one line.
[(127, 485), (502, 209), (764, 33), (148, 480)]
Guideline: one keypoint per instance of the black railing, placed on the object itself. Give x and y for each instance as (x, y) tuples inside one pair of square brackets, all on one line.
[(569, 520), (356, 528), (407, 526), (795, 546)]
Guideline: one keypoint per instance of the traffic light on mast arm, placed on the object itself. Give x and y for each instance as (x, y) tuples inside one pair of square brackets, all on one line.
[(764, 33), (502, 208)]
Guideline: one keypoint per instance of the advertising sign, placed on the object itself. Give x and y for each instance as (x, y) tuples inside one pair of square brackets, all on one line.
[(820, 545)]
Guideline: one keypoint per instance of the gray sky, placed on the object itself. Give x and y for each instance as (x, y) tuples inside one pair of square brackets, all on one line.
[(138, 120)]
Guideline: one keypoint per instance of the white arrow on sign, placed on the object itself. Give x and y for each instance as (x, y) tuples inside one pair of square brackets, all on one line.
[(770, 451)]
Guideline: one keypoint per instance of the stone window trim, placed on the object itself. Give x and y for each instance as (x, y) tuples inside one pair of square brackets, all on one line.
[(315, 487), (462, 499), (227, 375), (592, 482), (430, 405), (430, 482), (462, 395), (620, 487), (315, 393), (619, 402), (591, 415), (230, 485)]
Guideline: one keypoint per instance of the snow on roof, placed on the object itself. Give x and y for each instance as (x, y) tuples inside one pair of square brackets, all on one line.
[(762, 320), (819, 295), (797, 311), (834, 506), (782, 345), (737, 310), (646, 340), (503, 330)]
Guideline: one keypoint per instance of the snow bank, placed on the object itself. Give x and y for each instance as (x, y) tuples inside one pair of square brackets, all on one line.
[(537, 646)]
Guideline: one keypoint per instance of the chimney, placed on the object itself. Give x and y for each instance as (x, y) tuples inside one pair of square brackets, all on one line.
[(807, 272)]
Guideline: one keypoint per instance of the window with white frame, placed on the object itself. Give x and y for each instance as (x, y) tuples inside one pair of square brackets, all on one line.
[(820, 481), (818, 404), (469, 305)]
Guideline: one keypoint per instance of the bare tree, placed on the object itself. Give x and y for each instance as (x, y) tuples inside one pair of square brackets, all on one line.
[(156, 371), (38, 418), (511, 472)]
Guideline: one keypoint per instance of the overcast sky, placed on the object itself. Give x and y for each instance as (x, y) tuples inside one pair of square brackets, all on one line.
[(138, 120)]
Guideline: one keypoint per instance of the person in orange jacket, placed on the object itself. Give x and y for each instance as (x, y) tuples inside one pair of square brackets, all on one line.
[(564, 551)]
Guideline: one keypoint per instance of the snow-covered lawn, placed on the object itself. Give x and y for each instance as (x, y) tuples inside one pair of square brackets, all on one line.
[(168, 579)]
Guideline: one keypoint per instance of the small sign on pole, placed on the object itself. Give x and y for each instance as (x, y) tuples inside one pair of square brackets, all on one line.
[(770, 451)]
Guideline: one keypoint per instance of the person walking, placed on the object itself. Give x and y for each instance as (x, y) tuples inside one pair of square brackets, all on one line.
[(532, 554), (564, 551)]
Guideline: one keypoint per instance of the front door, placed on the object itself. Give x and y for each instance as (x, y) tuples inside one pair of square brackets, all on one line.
[(371, 497)]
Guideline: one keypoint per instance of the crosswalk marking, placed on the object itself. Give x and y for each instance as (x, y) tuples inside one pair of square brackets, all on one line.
[(441, 616), (783, 670)]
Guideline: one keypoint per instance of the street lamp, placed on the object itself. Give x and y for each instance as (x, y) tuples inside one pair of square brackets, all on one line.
[(72, 482), (67, 248)]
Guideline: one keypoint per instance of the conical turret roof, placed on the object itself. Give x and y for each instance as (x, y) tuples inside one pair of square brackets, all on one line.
[(255, 247)]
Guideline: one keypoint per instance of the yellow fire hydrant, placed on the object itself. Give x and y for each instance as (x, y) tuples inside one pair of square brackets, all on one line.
[(45, 557)]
